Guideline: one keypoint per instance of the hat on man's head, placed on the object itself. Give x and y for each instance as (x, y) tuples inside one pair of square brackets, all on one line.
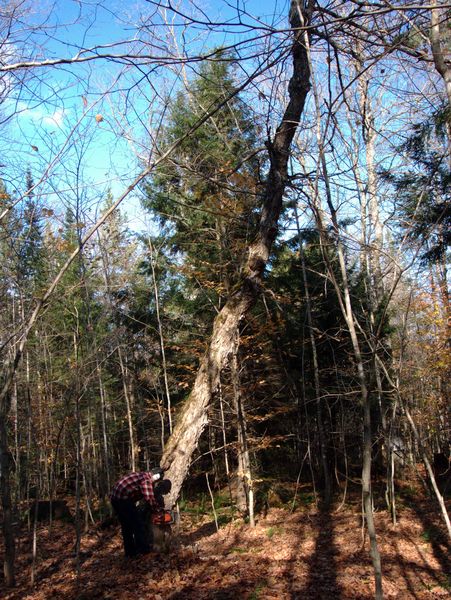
[(157, 473)]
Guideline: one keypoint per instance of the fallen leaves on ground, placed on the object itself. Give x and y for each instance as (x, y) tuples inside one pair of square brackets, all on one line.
[(308, 554)]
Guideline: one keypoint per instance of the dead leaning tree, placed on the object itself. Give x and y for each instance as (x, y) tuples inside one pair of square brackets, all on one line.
[(11, 362), (227, 322), (191, 422)]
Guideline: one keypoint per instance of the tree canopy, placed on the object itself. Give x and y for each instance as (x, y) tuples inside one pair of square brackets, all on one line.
[(224, 248)]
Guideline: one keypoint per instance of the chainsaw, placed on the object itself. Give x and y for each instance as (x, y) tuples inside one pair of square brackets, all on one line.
[(165, 517)]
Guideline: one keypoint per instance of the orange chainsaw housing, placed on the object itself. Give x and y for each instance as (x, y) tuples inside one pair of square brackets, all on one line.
[(164, 518)]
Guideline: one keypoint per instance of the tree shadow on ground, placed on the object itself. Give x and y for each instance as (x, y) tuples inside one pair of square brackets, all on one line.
[(203, 531), (230, 592), (435, 535), (412, 571), (304, 555), (322, 564), (260, 579)]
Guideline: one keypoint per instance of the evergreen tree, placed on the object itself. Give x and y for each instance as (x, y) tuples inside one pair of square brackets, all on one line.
[(31, 262), (423, 190), (205, 199), (207, 193)]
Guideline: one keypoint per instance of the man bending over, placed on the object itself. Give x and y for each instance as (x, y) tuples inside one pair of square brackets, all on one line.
[(125, 494)]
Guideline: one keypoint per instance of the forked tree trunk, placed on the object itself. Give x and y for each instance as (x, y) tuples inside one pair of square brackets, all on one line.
[(193, 418)]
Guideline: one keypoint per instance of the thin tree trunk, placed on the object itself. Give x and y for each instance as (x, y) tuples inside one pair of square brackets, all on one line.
[(160, 333), (15, 411), (373, 240), (442, 62), (34, 549), (441, 58), (78, 464), (390, 485), (345, 454), (429, 470), (344, 298), (372, 231), (183, 441), (5, 489), (245, 480), (224, 435), (128, 405), (103, 420), (319, 408)]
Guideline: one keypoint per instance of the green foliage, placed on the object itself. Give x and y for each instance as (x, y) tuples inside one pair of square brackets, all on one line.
[(206, 194), (423, 190), (259, 589), (238, 550), (224, 520), (306, 499), (205, 200), (272, 531), (31, 258), (432, 534), (290, 341), (21, 244), (221, 500)]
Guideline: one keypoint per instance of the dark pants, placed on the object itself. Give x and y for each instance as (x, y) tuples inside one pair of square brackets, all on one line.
[(134, 531)]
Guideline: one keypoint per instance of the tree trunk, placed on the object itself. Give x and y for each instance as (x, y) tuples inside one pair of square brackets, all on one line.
[(105, 478), (245, 480), (128, 404), (343, 292), (319, 409), (442, 62), (5, 488), (430, 471), (183, 441), (441, 58), (342, 289), (153, 259)]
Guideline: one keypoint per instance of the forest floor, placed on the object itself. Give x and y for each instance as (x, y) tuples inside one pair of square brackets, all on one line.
[(305, 554)]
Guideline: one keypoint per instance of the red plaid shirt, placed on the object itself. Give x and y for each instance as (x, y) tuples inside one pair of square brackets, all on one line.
[(135, 486)]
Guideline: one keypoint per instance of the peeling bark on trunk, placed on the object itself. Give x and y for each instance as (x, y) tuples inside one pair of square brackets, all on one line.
[(191, 422)]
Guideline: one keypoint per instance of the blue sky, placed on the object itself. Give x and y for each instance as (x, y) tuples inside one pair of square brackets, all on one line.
[(83, 129), (74, 124)]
